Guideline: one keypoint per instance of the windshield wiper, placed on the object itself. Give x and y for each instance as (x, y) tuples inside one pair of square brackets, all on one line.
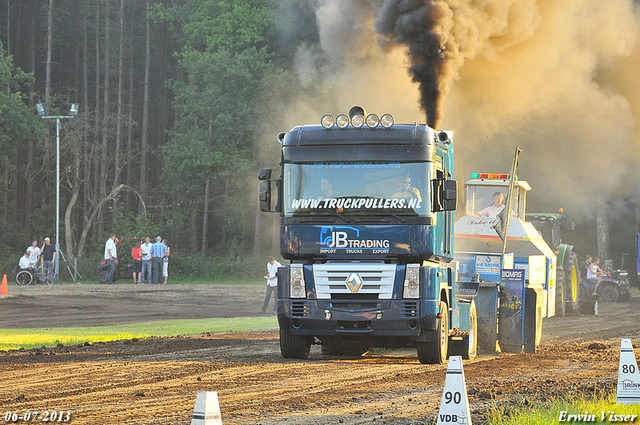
[(396, 216), (337, 214)]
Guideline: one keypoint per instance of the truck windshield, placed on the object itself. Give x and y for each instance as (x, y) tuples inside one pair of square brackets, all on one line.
[(356, 188)]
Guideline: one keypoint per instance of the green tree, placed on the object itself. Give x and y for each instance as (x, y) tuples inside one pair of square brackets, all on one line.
[(225, 64), (19, 125)]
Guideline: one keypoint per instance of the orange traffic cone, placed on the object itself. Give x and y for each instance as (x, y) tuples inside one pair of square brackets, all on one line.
[(4, 287)]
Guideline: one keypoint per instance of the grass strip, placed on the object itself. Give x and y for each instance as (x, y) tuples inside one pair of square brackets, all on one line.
[(11, 339), (577, 409)]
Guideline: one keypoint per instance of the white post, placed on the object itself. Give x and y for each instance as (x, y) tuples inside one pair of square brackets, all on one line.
[(58, 256), (56, 265)]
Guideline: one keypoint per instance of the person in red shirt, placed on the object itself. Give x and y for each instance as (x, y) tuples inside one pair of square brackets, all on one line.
[(137, 263)]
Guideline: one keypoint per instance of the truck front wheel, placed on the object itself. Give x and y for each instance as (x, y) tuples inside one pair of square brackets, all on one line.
[(294, 346), (435, 352)]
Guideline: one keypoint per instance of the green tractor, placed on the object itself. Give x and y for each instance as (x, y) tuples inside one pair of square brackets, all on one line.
[(551, 226)]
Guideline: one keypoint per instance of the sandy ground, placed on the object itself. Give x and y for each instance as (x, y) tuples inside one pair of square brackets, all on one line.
[(155, 380)]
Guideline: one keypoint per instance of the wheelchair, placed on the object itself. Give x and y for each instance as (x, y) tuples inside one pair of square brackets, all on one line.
[(26, 277)]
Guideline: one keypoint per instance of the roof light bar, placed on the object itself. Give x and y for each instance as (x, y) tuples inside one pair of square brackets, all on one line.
[(357, 118), (490, 176)]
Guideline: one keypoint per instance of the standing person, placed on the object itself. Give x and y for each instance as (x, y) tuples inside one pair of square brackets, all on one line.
[(111, 255), (145, 252), (157, 250), (272, 283), (34, 254), (48, 259), (137, 263), (165, 262)]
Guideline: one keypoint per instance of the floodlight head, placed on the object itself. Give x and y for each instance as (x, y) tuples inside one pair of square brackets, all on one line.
[(74, 109), (42, 108)]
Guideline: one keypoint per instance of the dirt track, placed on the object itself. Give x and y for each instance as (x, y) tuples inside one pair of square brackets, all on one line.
[(155, 381)]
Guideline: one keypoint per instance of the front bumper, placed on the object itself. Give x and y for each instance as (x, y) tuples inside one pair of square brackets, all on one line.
[(388, 318)]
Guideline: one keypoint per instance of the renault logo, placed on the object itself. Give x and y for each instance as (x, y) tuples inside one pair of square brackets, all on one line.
[(354, 282)]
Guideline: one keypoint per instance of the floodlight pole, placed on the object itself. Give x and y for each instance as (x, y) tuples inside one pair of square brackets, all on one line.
[(56, 266)]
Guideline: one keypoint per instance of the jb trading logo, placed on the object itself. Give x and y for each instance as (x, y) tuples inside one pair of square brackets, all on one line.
[(336, 237), (348, 238)]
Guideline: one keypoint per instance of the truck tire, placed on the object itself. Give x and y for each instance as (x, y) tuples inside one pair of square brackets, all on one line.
[(435, 352), (561, 293), (573, 280), (609, 293), (294, 346), (472, 349)]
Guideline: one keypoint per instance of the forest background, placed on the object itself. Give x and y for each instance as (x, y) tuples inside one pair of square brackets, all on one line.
[(180, 104), (175, 102)]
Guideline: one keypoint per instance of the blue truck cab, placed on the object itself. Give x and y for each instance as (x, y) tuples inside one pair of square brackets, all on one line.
[(366, 221)]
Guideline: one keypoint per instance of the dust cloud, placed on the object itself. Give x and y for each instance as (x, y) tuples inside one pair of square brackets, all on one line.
[(554, 78)]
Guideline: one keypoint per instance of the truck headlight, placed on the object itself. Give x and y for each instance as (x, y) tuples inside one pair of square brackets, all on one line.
[(412, 281), (297, 287)]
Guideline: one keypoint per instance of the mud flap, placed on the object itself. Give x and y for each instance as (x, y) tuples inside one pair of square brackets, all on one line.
[(487, 310), (532, 319)]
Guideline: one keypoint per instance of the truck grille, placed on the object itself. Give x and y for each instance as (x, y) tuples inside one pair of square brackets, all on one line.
[(358, 280)]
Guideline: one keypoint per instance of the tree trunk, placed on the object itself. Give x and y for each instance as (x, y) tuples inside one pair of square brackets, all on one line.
[(205, 218), (8, 27), (47, 86), (118, 154), (129, 148), (145, 108), (85, 101), (602, 226), (73, 182), (97, 231), (225, 216), (5, 189), (105, 114)]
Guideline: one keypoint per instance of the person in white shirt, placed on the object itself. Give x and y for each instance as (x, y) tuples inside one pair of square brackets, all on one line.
[(146, 259), (34, 254), (495, 208), (111, 255), (25, 263), (593, 274), (272, 283)]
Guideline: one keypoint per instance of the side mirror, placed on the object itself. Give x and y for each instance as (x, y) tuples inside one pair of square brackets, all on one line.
[(445, 195), (264, 174), (450, 195), (569, 226), (265, 196)]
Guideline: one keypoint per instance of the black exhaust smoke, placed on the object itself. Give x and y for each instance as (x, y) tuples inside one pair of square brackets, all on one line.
[(414, 23)]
